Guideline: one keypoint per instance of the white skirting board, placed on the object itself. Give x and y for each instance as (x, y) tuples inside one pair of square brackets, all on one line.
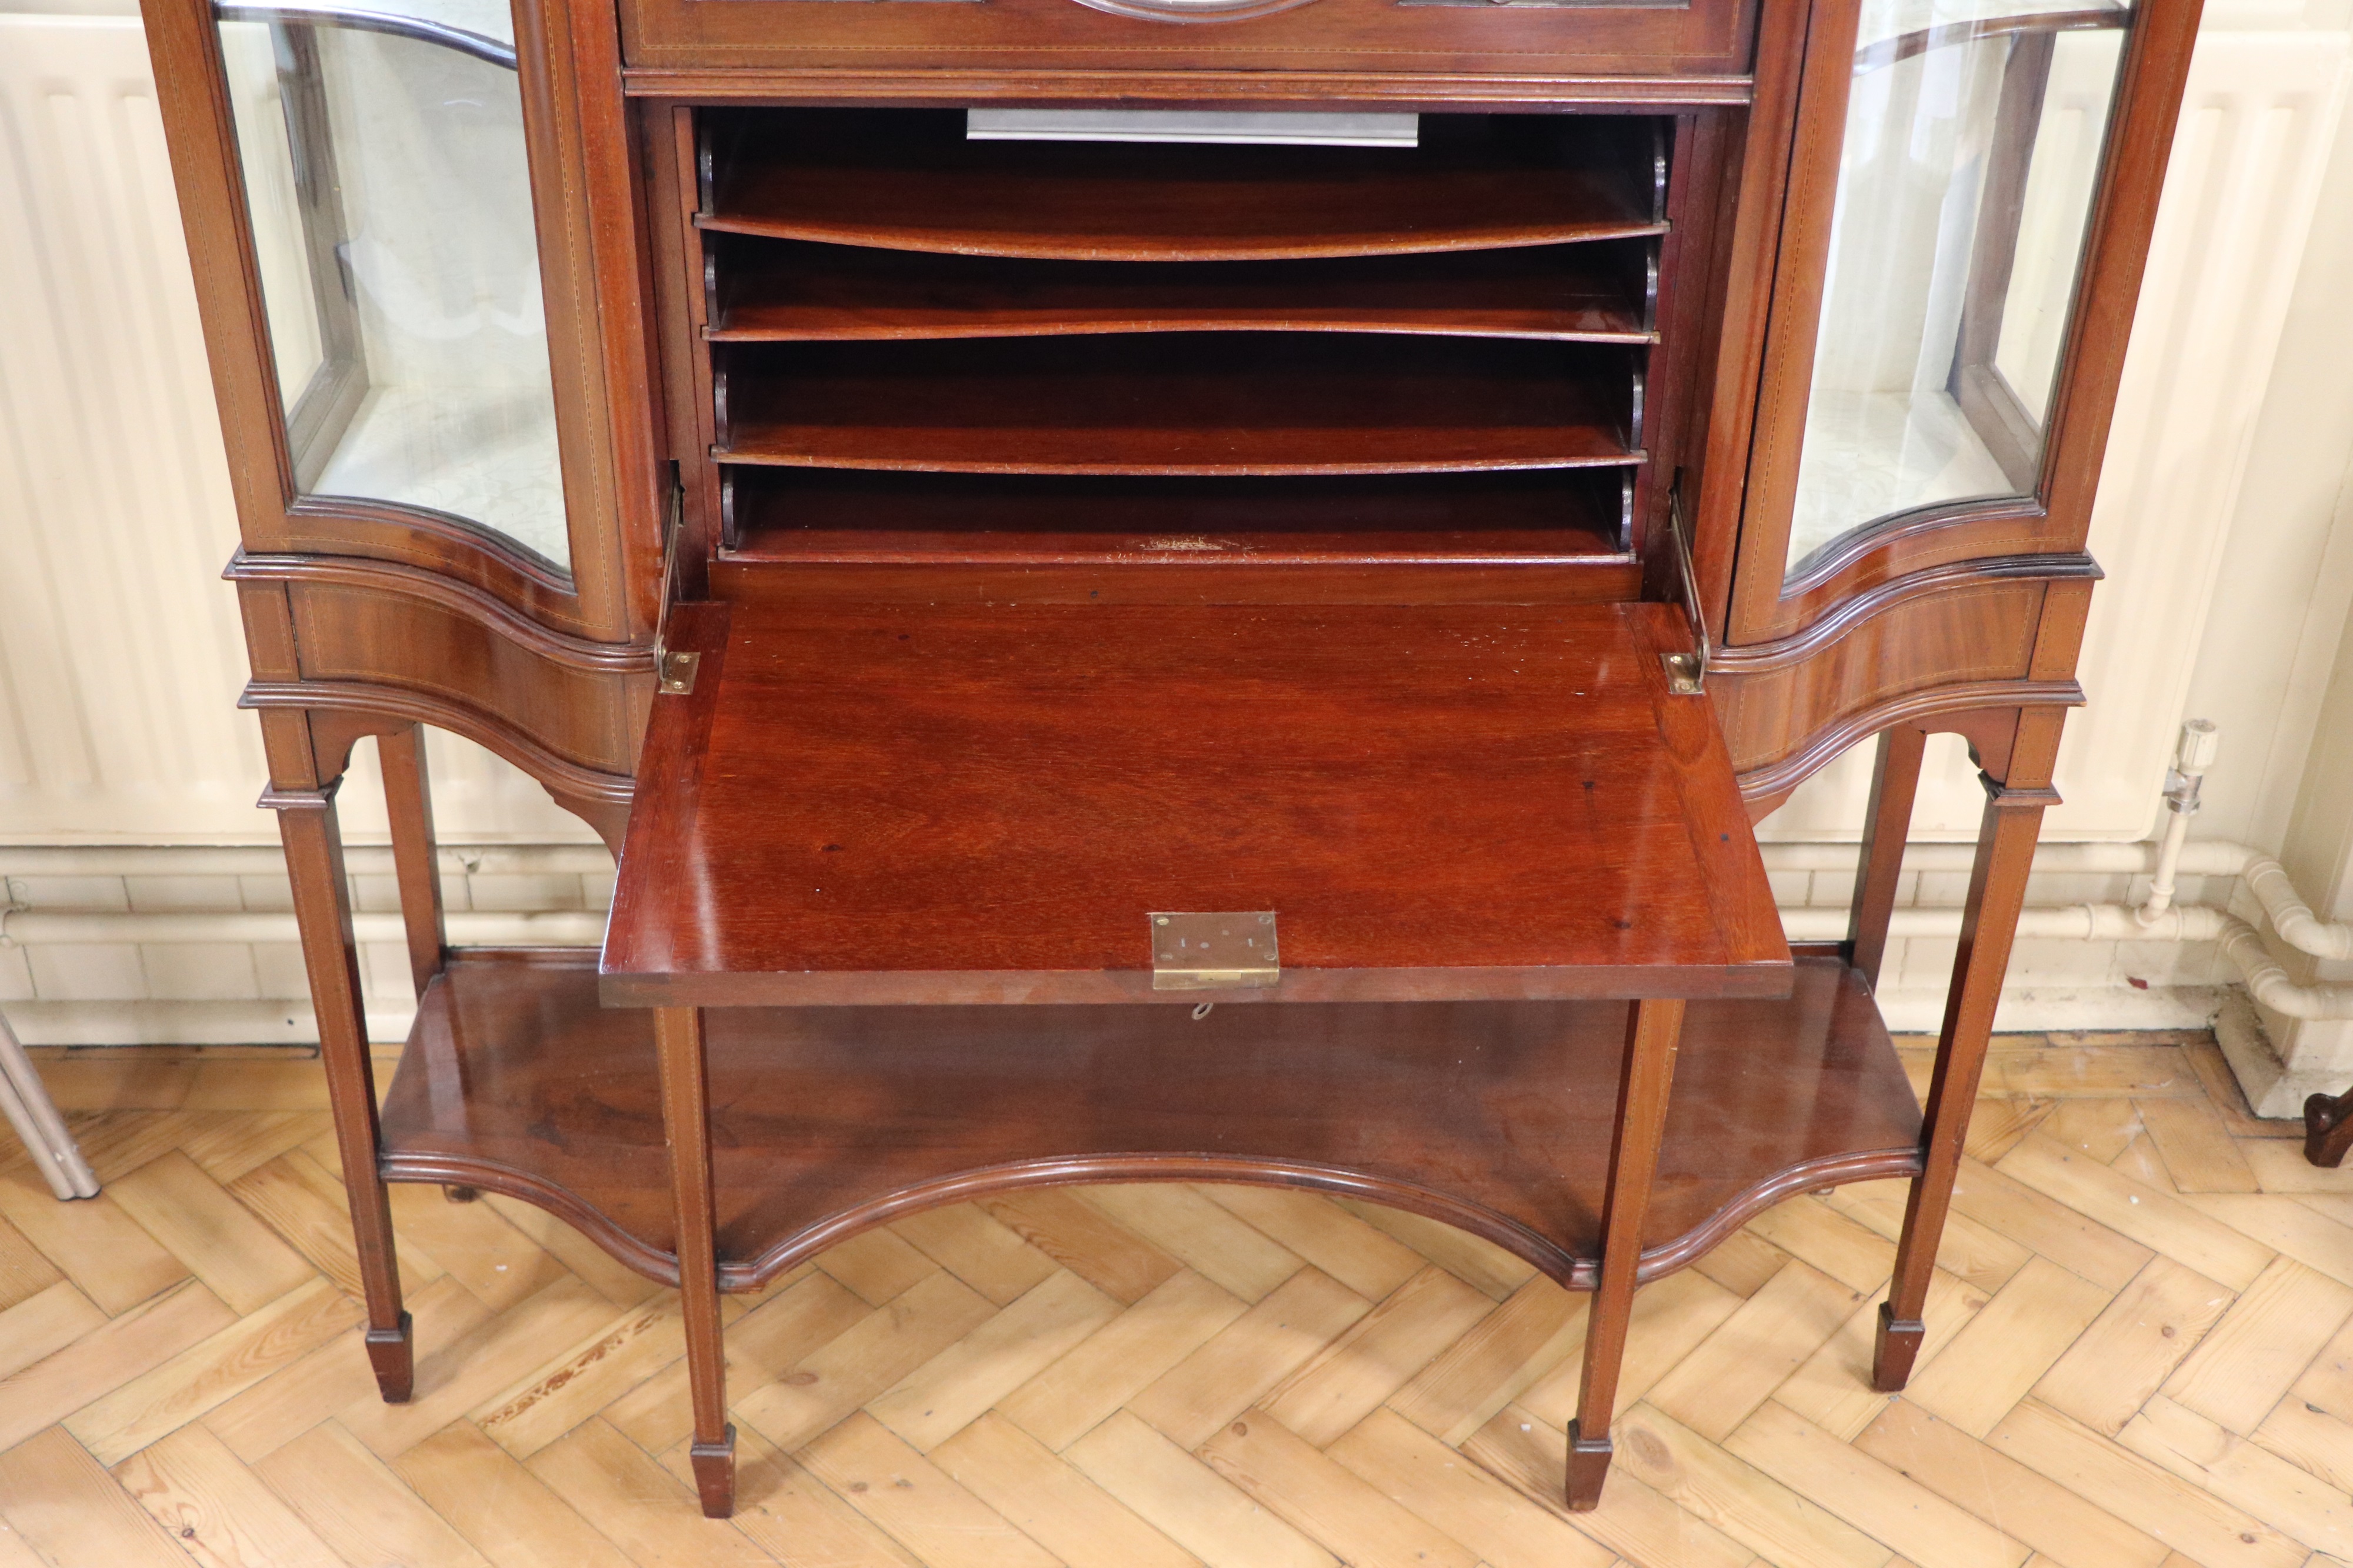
[(196, 946), (2028, 1009)]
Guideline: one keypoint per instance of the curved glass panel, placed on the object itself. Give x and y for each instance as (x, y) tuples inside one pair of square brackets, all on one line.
[(1974, 135), (383, 162)]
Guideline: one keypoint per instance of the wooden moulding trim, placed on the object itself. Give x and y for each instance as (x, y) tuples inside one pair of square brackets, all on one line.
[(523, 957), (622, 259), (1860, 544), (1593, 580), (487, 50), (1325, 90), (334, 525), (1848, 615), (1756, 185), (1215, 12), (1767, 979), (1558, 1264), (1812, 1175), (1787, 288), (192, 92), (491, 1176), (2150, 90), (397, 705), (1909, 46), (1921, 708), (475, 604), (2005, 798), (276, 799)]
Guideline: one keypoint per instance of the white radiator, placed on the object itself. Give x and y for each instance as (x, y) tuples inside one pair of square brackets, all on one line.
[(120, 651), (120, 655)]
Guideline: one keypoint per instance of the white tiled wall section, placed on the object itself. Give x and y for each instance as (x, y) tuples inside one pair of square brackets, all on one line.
[(2052, 982), (76, 993), (501, 879)]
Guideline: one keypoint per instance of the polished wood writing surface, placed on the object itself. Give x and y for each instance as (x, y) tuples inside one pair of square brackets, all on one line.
[(935, 803), (1492, 1116)]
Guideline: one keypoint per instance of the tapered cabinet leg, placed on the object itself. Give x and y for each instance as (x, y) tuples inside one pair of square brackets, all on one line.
[(1895, 1345), (392, 1356), (715, 1473), (2005, 836), (322, 911), (408, 801), (1652, 1032), (1589, 1466), (1895, 782), (686, 1123)]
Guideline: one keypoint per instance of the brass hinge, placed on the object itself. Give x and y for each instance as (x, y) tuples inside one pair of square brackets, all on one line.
[(1686, 673), (674, 670), (1229, 952)]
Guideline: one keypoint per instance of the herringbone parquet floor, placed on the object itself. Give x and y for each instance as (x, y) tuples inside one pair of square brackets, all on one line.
[(2140, 1357)]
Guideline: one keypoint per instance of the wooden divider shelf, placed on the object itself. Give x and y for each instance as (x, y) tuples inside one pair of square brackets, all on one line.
[(776, 290), (1545, 536), (1182, 402), (907, 180), (1492, 1116), (806, 514)]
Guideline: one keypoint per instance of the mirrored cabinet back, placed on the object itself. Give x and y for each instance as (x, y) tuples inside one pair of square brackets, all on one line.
[(1164, 590)]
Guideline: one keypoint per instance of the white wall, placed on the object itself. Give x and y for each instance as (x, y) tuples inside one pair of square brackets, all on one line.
[(118, 646), (2283, 584), (2282, 682)]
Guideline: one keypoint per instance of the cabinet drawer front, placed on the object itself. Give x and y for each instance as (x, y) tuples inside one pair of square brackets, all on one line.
[(938, 40)]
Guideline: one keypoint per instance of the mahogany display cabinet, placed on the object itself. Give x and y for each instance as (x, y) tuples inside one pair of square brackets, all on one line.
[(1196, 590)]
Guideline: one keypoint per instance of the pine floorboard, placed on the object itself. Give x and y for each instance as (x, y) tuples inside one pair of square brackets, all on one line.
[(2140, 1356)]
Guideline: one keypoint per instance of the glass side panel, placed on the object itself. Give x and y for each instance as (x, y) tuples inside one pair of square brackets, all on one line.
[(392, 212), (1974, 135)]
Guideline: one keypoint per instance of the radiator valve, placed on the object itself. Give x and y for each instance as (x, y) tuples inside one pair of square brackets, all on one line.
[(2200, 741)]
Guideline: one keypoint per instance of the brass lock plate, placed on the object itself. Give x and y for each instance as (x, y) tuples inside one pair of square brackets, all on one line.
[(1220, 951)]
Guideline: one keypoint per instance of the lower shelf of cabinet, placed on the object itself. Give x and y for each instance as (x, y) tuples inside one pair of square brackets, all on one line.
[(1494, 1117)]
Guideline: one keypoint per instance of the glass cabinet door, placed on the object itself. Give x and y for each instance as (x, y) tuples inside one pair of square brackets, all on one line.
[(384, 171), (1975, 131)]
